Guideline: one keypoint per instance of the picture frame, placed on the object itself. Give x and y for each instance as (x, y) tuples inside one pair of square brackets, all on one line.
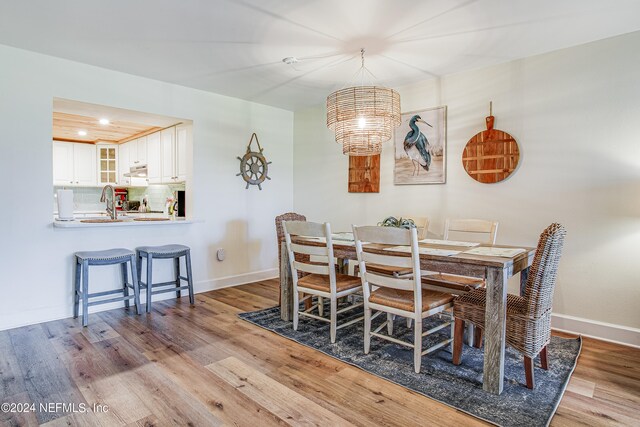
[(411, 161)]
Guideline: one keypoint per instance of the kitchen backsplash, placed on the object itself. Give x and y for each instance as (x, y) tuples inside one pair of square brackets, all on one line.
[(157, 194), (88, 198)]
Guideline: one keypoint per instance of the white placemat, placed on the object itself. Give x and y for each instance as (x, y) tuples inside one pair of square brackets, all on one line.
[(499, 252), (424, 251), (448, 242), (343, 236)]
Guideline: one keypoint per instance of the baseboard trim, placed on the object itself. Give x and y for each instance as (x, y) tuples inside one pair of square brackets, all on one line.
[(48, 314), (609, 332), (237, 280)]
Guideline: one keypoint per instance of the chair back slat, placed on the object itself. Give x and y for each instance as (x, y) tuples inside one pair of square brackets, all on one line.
[(385, 235), (477, 230), (390, 260), (389, 282), (309, 250), (311, 268), (543, 272), (305, 228)]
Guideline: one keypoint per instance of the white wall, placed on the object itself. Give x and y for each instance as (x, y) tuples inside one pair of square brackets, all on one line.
[(36, 260), (576, 116)]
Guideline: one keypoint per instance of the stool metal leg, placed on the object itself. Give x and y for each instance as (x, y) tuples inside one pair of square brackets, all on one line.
[(176, 269), (149, 281), (125, 284), (136, 284), (85, 293), (190, 278), (76, 290)]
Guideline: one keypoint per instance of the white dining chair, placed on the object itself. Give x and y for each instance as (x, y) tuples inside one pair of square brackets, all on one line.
[(472, 230), (402, 296), (422, 228), (478, 230), (314, 240)]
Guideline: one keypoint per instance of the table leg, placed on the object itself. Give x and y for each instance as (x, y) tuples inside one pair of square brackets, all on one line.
[(343, 265), (524, 275), (286, 286), (495, 330)]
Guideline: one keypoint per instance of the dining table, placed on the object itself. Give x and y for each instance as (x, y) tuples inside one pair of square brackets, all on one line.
[(494, 263)]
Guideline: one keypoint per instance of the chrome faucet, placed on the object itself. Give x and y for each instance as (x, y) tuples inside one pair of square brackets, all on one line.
[(112, 211)]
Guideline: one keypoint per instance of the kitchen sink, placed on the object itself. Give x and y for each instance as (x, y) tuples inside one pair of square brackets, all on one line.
[(151, 219), (100, 220)]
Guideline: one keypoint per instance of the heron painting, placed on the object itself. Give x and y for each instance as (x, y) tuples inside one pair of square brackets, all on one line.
[(420, 147), (416, 145)]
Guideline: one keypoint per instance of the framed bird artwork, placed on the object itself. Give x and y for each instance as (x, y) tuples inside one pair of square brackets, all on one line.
[(420, 147)]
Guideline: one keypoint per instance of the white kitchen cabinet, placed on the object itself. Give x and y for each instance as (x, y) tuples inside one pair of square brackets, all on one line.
[(173, 143), (128, 154), (181, 153), (74, 164), (63, 163), (168, 149), (123, 164), (154, 158), (141, 150), (137, 151), (84, 164)]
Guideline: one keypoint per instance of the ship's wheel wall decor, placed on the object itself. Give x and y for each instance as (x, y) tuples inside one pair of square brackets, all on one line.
[(492, 155), (253, 165)]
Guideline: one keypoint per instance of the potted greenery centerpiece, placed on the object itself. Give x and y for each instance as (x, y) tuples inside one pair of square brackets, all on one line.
[(391, 221)]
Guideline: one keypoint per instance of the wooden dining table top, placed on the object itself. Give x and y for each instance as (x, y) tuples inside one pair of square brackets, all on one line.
[(346, 249)]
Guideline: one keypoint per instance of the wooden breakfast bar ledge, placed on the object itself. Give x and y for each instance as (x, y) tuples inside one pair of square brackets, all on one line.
[(496, 270)]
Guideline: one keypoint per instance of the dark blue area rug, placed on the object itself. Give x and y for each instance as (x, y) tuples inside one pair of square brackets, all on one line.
[(457, 386)]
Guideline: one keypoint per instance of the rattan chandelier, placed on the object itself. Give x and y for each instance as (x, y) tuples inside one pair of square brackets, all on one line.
[(363, 117)]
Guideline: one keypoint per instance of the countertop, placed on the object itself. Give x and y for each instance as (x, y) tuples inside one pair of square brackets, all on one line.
[(128, 220)]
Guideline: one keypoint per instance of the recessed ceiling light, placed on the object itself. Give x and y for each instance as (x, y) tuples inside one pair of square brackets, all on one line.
[(82, 132), (104, 121), (290, 60)]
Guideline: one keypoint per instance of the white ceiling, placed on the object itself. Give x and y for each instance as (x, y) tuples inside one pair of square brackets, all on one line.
[(235, 47)]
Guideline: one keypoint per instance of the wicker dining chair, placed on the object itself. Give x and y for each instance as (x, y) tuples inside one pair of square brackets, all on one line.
[(529, 315), (289, 216)]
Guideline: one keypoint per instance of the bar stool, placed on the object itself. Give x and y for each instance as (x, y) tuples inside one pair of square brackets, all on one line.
[(174, 252), (108, 257)]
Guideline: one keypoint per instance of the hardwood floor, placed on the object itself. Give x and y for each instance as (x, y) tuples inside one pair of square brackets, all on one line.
[(204, 366)]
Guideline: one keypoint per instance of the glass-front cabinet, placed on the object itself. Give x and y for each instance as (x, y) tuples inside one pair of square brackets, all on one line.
[(107, 164)]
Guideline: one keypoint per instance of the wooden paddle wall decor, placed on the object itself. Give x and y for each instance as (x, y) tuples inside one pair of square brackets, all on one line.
[(492, 155), (364, 174)]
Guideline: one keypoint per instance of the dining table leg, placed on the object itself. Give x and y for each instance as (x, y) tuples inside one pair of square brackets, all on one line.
[(286, 285), (495, 330), (524, 275)]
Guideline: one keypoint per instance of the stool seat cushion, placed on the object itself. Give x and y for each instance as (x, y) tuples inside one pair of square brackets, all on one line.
[(163, 250), (106, 255)]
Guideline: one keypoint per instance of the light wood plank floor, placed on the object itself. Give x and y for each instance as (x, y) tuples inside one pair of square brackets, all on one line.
[(204, 366)]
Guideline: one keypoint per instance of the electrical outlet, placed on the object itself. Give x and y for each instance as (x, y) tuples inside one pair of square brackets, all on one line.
[(221, 254)]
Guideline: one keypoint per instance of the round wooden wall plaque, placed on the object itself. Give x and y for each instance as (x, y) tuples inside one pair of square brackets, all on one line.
[(490, 156)]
